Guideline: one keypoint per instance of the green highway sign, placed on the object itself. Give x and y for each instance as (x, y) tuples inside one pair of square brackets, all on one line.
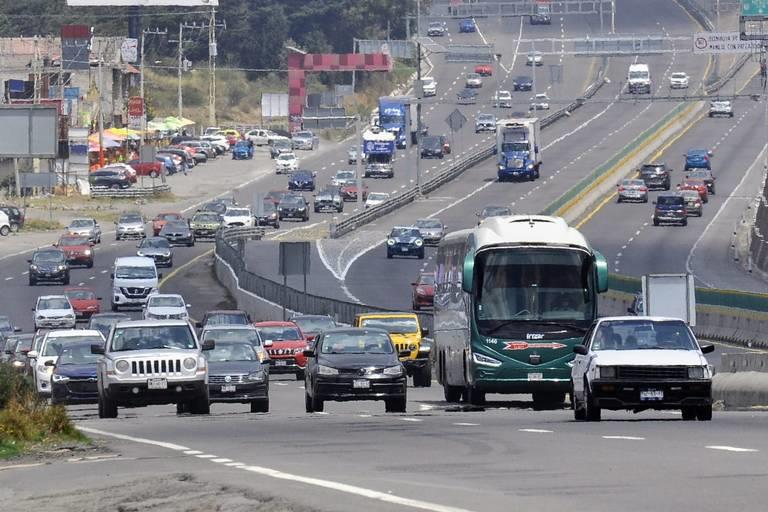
[(755, 8)]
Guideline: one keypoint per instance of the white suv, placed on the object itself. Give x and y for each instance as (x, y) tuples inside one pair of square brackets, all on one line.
[(166, 306), (639, 363), (152, 362)]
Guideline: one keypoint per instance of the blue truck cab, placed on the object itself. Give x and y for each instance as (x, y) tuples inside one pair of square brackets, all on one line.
[(467, 26), (397, 116), (517, 149), (698, 159)]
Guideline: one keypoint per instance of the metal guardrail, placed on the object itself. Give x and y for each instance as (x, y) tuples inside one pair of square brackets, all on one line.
[(453, 170), (130, 192), (229, 250), (232, 233)]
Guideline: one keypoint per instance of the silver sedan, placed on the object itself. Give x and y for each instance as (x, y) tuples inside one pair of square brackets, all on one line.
[(632, 190)]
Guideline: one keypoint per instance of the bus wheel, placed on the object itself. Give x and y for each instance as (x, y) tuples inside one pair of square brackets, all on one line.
[(474, 397), (452, 393)]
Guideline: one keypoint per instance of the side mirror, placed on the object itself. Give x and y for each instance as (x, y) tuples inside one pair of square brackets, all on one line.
[(710, 153), (112, 275), (29, 261), (99, 298), (17, 329), (404, 353), (268, 343), (601, 269), (424, 331), (55, 244), (309, 353), (138, 246), (707, 349), (32, 354), (97, 348), (208, 345), (159, 275), (49, 363), (654, 202), (314, 174), (580, 350)]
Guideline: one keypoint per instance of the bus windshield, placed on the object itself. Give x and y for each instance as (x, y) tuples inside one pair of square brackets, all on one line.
[(517, 287)]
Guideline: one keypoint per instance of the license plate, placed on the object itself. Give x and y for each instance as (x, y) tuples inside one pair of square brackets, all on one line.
[(157, 384), (281, 363), (361, 384), (228, 389), (651, 394), (535, 376)]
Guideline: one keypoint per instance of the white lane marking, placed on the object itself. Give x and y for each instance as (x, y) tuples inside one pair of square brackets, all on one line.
[(142, 440), (92, 278), (535, 430), (21, 466), (103, 271), (8, 278), (626, 438), (732, 449), (414, 420), (281, 384), (234, 464), (206, 456), (221, 461), (25, 272), (692, 252), (192, 452), (364, 415), (462, 424)]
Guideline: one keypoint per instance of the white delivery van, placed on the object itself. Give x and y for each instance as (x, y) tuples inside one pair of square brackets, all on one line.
[(639, 79)]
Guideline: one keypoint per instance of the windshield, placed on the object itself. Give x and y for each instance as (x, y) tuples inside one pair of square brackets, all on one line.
[(678, 75), (238, 212), (279, 333), (426, 279), (80, 294), (77, 354), (508, 147), (224, 352), (135, 273), (345, 175), (130, 219), (378, 196), (53, 303), (652, 168), (175, 226), (643, 335), (395, 324), (488, 118), (175, 337), (519, 285), (405, 233), (72, 241), (81, 223), (227, 319), (104, 324), (293, 201), (158, 243), (286, 156), (169, 217), (5, 324), (668, 201), (364, 342), (638, 75), (242, 335), (166, 301), (206, 217), (390, 119), (495, 211), (49, 256), (633, 183), (428, 224), (314, 324), (53, 346)]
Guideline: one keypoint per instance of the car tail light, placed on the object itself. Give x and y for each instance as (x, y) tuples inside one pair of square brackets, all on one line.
[(643, 189)]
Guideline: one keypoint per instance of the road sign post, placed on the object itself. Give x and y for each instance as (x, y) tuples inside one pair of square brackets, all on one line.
[(294, 259), (455, 122)]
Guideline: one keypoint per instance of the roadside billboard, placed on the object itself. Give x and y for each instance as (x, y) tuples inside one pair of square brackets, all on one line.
[(27, 132)]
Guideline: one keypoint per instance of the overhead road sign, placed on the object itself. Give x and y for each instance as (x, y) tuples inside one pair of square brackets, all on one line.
[(722, 42)]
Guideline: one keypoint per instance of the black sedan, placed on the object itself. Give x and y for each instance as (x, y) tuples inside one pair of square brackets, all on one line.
[(158, 248), (293, 207), (178, 233), (235, 375), (109, 178), (523, 83), (49, 264), (354, 364), (268, 215), (302, 180), (467, 97)]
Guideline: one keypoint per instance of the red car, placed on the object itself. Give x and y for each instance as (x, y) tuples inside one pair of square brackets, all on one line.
[(79, 249), (162, 219), (84, 301), (285, 344), (699, 186), (348, 191), (484, 70), (151, 169), (423, 294)]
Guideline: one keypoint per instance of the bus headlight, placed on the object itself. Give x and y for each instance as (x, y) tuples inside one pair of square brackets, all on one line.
[(485, 360)]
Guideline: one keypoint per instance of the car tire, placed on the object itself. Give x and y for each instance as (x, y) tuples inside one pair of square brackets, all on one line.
[(667, 186), (65, 281), (426, 375), (182, 408), (421, 254), (655, 221), (300, 375), (395, 404), (200, 405), (415, 306), (32, 282), (592, 411), (260, 405), (689, 413), (473, 397), (452, 394), (389, 255), (308, 403), (684, 222), (191, 244), (579, 413), (114, 307), (5, 230), (317, 404), (619, 200), (107, 407), (704, 413), (713, 191), (14, 227)]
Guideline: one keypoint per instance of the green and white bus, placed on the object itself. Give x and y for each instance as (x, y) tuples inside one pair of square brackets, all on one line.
[(512, 298)]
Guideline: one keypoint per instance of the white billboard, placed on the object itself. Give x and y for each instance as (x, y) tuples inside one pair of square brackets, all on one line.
[(722, 42), (146, 3)]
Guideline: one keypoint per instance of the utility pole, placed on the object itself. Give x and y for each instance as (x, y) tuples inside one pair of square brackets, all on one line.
[(212, 52), (101, 111), (144, 34), (418, 99), (181, 64), (359, 163)]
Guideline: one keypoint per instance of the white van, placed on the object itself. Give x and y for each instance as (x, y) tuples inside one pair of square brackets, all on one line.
[(639, 79), (134, 279)]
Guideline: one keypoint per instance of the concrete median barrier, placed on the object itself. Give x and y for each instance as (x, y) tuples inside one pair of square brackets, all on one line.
[(742, 381)]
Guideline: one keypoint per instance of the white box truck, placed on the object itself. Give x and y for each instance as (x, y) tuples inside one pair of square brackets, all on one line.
[(670, 295)]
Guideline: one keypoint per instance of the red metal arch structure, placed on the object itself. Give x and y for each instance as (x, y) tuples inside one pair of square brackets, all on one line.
[(299, 64)]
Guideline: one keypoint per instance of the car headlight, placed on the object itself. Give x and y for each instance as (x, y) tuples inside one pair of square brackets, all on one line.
[(122, 366), (390, 241), (33, 267), (70, 316), (412, 347), (40, 317), (18, 364), (190, 363), (59, 379), (153, 291), (139, 253), (419, 242), (530, 166), (326, 370), (425, 347), (87, 252), (696, 372), (62, 267), (607, 372), (41, 368), (485, 360), (255, 377), (302, 209), (393, 370), (501, 167)]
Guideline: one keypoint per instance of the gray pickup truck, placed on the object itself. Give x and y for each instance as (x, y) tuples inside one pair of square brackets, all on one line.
[(152, 362)]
